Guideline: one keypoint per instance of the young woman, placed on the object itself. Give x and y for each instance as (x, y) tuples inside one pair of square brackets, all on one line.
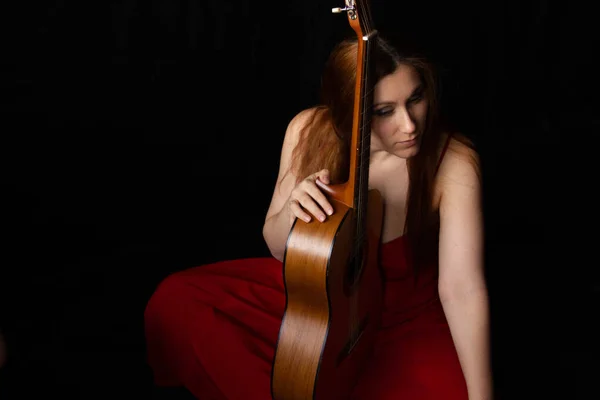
[(213, 328)]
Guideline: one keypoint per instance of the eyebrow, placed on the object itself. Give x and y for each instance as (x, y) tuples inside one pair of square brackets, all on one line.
[(418, 90)]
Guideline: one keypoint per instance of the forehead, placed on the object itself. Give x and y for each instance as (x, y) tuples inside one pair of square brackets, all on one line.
[(398, 85)]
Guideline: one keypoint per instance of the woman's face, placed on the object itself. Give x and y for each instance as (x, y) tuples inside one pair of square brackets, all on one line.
[(399, 113)]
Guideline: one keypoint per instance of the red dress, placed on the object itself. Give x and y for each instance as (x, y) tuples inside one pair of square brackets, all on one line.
[(213, 330)]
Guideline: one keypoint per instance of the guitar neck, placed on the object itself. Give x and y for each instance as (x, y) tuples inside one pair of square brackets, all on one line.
[(354, 192), (361, 138)]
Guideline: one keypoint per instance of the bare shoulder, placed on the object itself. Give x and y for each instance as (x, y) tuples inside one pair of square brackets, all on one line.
[(304, 116), (292, 137), (459, 173), (298, 123), (460, 163)]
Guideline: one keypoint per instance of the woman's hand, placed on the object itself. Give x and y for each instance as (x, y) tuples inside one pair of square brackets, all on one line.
[(307, 199)]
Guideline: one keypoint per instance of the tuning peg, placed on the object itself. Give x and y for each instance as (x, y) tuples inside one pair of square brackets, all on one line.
[(337, 10)]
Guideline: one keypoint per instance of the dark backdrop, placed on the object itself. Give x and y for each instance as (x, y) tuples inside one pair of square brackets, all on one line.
[(143, 137)]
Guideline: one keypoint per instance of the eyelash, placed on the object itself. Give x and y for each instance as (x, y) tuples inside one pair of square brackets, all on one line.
[(383, 112), (416, 98)]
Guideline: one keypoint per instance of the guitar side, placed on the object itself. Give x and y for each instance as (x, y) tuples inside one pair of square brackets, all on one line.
[(315, 335)]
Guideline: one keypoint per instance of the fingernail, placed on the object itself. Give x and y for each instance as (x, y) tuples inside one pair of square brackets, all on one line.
[(329, 211)]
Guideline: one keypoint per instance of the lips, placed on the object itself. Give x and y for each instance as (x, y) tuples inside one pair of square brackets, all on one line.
[(409, 141)]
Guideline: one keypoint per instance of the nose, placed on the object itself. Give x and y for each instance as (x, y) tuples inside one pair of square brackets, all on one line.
[(406, 124)]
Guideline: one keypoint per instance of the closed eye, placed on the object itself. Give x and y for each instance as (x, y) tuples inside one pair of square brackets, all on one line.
[(417, 95), (382, 112), (415, 99)]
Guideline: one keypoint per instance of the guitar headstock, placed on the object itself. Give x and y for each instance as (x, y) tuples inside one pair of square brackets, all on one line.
[(359, 16)]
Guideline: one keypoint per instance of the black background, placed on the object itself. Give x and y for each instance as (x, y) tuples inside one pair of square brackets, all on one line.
[(142, 137)]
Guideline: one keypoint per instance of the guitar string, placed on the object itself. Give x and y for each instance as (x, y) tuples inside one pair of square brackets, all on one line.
[(364, 145)]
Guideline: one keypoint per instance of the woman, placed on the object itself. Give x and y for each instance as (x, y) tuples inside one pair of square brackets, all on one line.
[(213, 328)]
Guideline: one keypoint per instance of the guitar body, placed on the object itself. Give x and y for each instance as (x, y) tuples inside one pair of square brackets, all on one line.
[(319, 354)]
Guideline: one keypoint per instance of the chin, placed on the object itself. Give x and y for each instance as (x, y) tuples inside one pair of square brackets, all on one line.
[(407, 153)]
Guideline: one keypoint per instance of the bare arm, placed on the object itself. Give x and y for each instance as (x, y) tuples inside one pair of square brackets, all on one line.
[(278, 220), (290, 200), (462, 285)]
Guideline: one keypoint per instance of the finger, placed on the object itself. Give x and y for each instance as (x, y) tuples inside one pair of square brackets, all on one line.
[(298, 211), (320, 198), (323, 176), (309, 204)]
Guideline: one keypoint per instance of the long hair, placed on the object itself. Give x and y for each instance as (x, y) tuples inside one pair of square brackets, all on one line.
[(324, 140)]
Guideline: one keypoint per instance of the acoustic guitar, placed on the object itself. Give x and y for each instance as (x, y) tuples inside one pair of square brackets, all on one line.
[(331, 269)]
